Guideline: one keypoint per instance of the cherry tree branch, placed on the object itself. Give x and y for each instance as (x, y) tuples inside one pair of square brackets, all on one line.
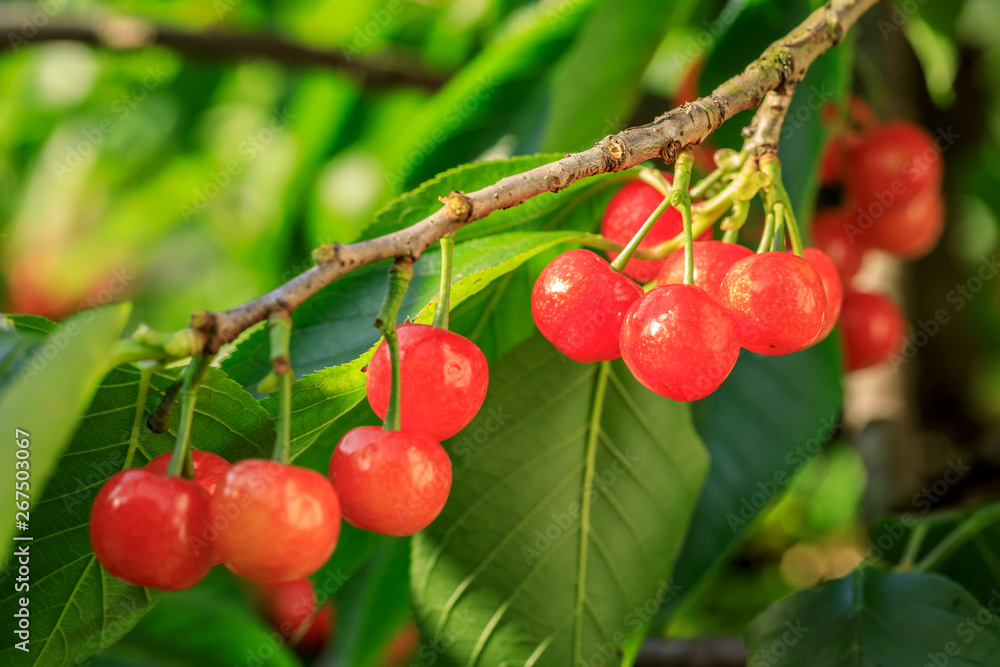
[(129, 33), (779, 68)]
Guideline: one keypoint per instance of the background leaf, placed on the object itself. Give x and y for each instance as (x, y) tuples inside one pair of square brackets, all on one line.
[(520, 567)]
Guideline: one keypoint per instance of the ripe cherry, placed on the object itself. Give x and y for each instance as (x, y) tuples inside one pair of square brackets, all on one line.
[(444, 378), (579, 302), (873, 328), (208, 468), (627, 211), (712, 260), (391, 482), (778, 301), (833, 164), (895, 161), (833, 288), (829, 234), (908, 229), (274, 522), (141, 529), (291, 604), (679, 342)]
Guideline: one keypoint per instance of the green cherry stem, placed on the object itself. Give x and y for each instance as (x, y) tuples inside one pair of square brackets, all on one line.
[(444, 290), (680, 198), (778, 244), (146, 371), (621, 260), (181, 463), (400, 274), (279, 327), (770, 165), (767, 237)]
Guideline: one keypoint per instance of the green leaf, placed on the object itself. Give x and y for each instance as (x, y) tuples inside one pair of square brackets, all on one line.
[(55, 385), (477, 105), (877, 618), (595, 87), (203, 626), (35, 324), (571, 495), (373, 605), (761, 426), (76, 608)]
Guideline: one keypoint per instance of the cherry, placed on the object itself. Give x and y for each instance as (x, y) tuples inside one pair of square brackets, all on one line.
[(141, 525), (833, 288), (908, 229), (829, 234), (778, 301), (873, 328), (579, 302), (402, 650), (711, 261), (444, 378), (275, 522), (208, 468), (896, 161), (291, 604), (627, 211), (679, 342), (833, 164), (391, 482)]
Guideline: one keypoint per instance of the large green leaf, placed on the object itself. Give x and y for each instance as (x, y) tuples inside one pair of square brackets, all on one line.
[(54, 386), (373, 605), (761, 426), (477, 105), (572, 493), (877, 618), (78, 609)]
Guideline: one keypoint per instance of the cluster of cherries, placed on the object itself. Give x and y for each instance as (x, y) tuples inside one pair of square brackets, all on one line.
[(681, 341), (272, 522), (888, 177)]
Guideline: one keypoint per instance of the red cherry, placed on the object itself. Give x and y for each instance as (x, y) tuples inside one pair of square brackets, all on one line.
[(833, 288), (908, 229), (289, 605), (391, 482), (833, 164), (829, 234), (679, 342), (208, 468), (444, 379), (274, 522), (627, 211), (895, 161), (711, 261), (402, 650), (144, 527), (778, 300), (579, 302), (873, 329)]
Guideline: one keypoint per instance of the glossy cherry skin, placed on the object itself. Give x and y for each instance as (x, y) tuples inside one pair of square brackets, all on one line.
[(391, 482), (829, 234), (141, 529), (579, 302), (444, 380), (208, 468), (778, 301), (898, 158), (679, 342), (274, 522), (872, 328), (712, 260), (908, 229), (627, 211), (833, 288), (289, 605)]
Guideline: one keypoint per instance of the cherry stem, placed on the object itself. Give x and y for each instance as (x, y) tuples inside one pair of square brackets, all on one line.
[(444, 291), (767, 237), (680, 198), (280, 335), (913, 544), (779, 227), (965, 531), (656, 178), (730, 236), (621, 260), (145, 375), (400, 274), (181, 462), (770, 165)]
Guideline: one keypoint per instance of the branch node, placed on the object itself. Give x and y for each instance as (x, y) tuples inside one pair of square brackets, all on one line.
[(457, 205), (614, 150), (327, 253), (670, 151)]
